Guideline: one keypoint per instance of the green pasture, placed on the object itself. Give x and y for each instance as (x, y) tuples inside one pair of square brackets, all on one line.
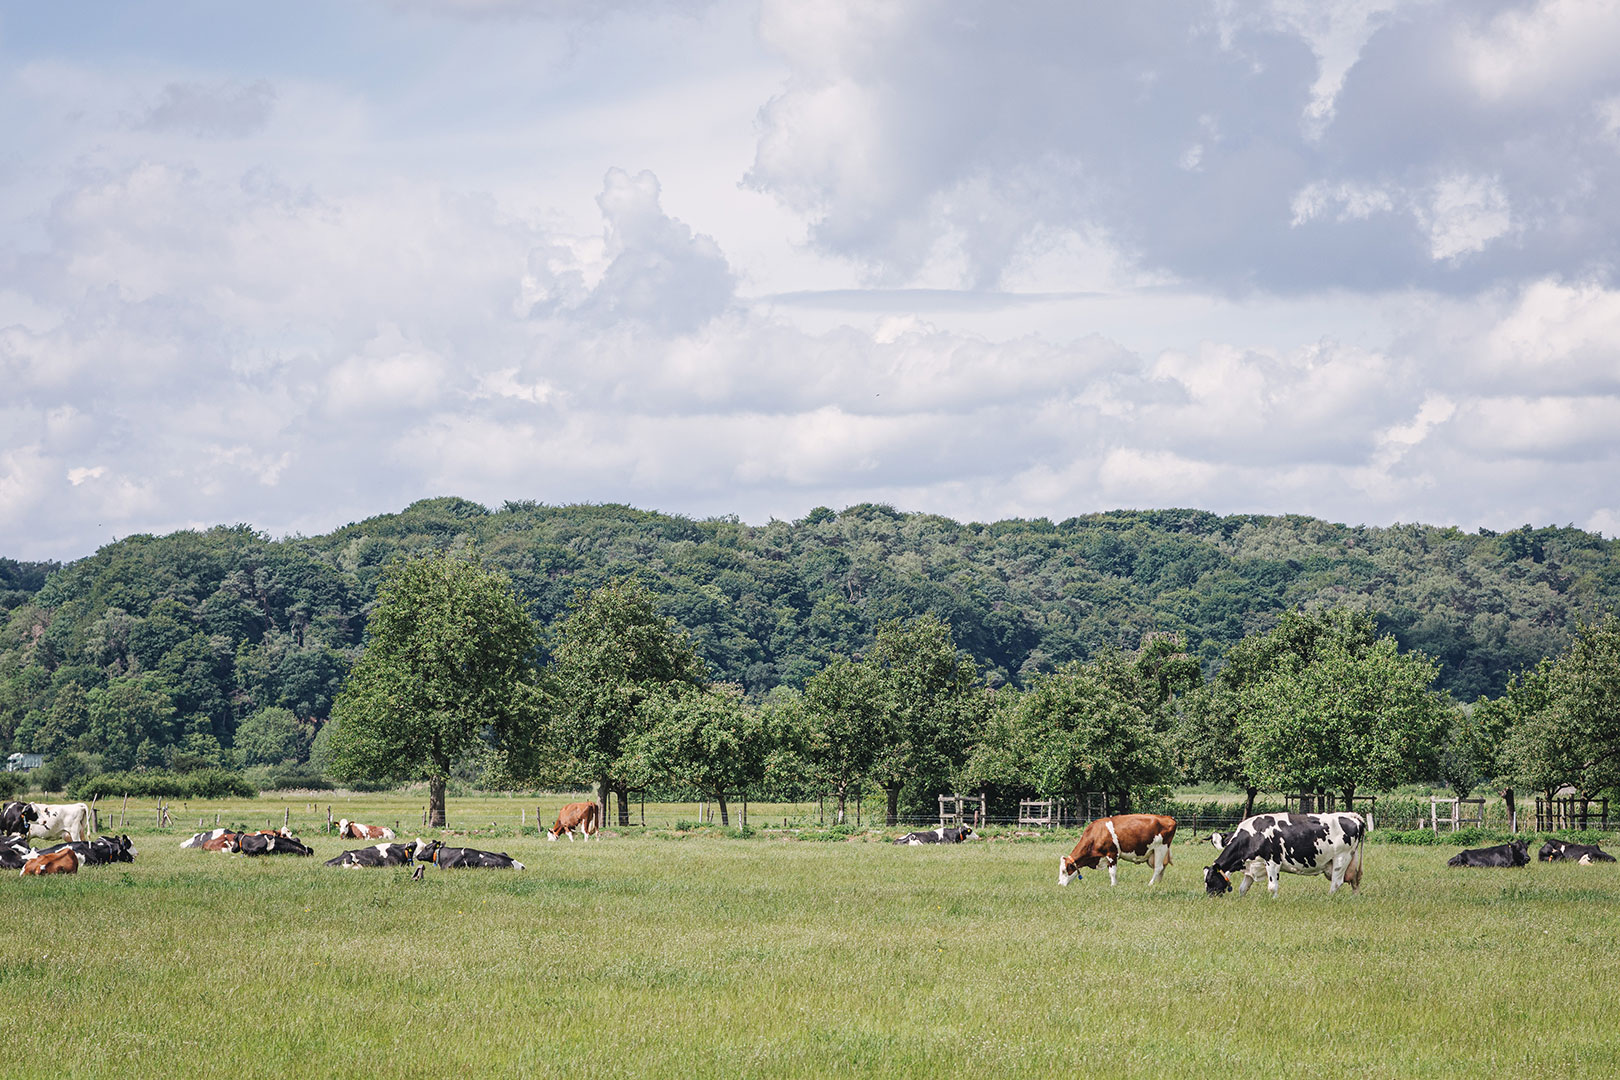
[(695, 955)]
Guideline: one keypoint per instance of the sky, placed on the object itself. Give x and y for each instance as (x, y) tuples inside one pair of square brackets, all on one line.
[(297, 264)]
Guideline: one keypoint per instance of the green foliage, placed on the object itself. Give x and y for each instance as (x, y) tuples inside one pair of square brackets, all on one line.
[(11, 783), (272, 736), (1563, 716), (286, 778), (202, 784), (1095, 727), (1337, 707), (617, 668), (704, 742), (448, 659)]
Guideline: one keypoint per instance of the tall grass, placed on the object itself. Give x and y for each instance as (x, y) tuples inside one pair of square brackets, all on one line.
[(642, 957)]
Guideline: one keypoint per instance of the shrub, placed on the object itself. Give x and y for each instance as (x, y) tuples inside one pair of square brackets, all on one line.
[(11, 783), (160, 783), (61, 772), (287, 778)]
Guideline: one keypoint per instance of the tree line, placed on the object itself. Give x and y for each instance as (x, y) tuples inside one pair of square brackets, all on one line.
[(615, 696), (223, 648)]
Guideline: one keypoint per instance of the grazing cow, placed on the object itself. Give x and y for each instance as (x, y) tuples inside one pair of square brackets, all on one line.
[(16, 817), (1515, 854), (267, 843), (376, 855), (576, 815), (69, 821), (213, 840), (939, 836), (1564, 851), (65, 861), (451, 858), (353, 830), (1326, 844), (98, 852), (1134, 837)]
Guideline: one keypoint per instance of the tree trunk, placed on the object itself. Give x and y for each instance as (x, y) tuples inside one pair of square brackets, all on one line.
[(892, 817), (1248, 801), (622, 791), (841, 794), (1349, 798), (436, 801), (604, 786), (725, 818), (1512, 813)]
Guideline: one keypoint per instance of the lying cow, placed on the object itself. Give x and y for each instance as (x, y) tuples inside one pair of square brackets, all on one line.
[(580, 816), (213, 840), (1133, 837), (14, 851), (16, 817), (1310, 844), (939, 836), (451, 858), (65, 821), (65, 861), (376, 855), (1564, 851), (1515, 854), (267, 843), (98, 852), (353, 830)]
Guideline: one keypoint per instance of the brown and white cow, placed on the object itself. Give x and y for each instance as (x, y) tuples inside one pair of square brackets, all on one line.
[(353, 830), (65, 861), (576, 815), (1133, 837)]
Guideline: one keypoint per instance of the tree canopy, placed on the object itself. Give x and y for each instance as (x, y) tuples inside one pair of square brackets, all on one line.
[(448, 659)]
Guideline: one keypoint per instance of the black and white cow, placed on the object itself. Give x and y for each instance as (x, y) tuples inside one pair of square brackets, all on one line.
[(451, 858), (1564, 851), (376, 855), (264, 843), (16, 817), (1327, 844), (939, 836), (69, 821), (98, 852), (1515, 854), (14, 851), (213, 839)]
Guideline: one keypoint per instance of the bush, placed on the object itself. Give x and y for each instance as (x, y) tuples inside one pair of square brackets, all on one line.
[(160, 783), (12, 783), (61, 772), (287, 778)]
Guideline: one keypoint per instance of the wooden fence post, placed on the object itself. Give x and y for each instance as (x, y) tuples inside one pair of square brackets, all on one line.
[(124, 810)]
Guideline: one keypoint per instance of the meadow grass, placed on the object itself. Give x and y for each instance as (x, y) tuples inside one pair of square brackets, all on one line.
[(664, 955)]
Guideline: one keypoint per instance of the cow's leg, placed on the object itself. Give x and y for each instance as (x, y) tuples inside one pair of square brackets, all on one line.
[(1336, 872), (1113, 870), (1273, 873), (1161, 859)]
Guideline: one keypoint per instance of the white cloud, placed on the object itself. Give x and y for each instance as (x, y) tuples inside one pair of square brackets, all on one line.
[(1464, 214)]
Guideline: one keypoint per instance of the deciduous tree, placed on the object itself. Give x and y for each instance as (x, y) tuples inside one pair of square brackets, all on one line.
[(448, 658)]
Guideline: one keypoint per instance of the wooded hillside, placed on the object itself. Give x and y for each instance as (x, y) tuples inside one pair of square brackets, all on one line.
[(193, 632)]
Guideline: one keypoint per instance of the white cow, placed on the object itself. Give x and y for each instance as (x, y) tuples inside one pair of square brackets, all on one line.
[(70, 821)]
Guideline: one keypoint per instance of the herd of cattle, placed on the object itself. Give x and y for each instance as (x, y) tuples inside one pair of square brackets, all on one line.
[(1326, 845)]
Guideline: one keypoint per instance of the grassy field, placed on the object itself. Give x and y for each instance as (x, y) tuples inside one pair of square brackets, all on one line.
[(652, 955)]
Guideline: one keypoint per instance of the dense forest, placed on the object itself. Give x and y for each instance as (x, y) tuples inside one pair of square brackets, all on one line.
[(156, 648)]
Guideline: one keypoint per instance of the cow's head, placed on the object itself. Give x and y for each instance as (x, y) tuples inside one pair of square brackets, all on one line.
[(1550, 849), (1068, 870), (427, 851), (1216, 883), (1521, 853), (1217, 841)]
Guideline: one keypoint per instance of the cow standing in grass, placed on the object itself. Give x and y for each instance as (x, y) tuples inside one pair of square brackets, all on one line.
[(580, 816), (1135, 838), (1326, 844)]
